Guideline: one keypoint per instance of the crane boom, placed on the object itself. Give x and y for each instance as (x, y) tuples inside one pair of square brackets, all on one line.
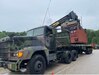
[(68, 18), (71, 24)]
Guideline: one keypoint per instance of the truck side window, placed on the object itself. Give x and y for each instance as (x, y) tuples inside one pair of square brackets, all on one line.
[(48, 31)]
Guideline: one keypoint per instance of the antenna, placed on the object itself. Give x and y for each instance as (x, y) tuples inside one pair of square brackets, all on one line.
[(46, 12)]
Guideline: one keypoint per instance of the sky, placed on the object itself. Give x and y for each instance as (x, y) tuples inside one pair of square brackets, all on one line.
[(22, 15)]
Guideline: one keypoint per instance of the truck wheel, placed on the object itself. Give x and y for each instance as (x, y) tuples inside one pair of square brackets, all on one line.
[(67, 57), (89, 51), (37, 65), (74, 55)]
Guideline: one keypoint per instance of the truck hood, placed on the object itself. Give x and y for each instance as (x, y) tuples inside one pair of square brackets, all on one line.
[(10, 45)]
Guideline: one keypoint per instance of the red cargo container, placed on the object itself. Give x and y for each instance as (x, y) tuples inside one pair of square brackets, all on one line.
[(78, 36)]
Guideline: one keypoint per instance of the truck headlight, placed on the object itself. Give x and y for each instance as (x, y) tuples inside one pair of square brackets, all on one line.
[(19, 54)]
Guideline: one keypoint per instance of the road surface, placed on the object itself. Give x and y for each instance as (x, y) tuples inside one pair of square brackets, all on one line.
[(85, 64)]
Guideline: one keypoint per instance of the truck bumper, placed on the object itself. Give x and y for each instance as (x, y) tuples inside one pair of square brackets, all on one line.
[(9, 65)]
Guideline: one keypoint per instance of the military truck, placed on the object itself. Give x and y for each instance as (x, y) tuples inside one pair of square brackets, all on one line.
[(61, 41)]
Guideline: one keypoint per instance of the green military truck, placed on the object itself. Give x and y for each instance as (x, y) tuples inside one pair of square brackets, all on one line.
[(41, 46)]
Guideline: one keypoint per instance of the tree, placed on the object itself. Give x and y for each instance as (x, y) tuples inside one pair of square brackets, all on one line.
[(4, 34)]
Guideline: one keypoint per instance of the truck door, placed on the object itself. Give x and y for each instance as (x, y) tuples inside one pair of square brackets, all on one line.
[(49, 39)]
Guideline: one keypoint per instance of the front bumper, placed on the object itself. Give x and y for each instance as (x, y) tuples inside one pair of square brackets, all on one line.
[(13, 66)]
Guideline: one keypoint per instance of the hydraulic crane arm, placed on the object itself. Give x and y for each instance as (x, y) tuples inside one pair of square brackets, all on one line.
[(68, 18), (71, 24)]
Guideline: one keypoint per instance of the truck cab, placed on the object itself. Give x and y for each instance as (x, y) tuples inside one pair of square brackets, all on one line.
[(37, 47), (45, 34)]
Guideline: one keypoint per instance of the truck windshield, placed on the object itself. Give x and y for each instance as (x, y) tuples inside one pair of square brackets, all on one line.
[(36, 32)]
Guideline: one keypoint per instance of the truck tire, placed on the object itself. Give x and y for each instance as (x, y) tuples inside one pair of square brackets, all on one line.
[(74, 55), (67, 57), (89, 51), (37, 65)]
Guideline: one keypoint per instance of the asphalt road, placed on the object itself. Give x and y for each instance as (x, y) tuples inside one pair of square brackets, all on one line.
[(85, 64)]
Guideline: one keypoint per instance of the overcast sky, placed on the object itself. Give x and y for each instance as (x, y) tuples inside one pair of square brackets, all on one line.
[(21, 15)]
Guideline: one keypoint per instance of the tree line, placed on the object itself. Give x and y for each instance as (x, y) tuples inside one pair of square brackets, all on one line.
[(93, 36), (4, 34)]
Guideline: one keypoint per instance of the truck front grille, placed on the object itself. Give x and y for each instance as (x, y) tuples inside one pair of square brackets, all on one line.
[(4, 53), (4, 50)]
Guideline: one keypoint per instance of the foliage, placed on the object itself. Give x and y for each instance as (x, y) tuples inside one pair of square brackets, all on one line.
[(93, 36), (4, 34)]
